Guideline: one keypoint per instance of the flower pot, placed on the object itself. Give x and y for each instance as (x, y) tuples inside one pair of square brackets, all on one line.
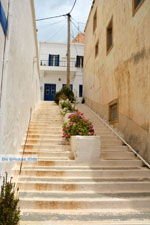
[(86, 148)]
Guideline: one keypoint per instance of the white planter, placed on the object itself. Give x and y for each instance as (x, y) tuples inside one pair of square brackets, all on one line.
[(86, 148)]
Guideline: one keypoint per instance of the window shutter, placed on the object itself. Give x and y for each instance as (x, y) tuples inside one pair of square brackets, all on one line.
[(57, 60), (3, 19), (50, 60), (77, 61)]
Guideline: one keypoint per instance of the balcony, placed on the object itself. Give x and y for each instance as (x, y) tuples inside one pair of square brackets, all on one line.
[(59, 65)]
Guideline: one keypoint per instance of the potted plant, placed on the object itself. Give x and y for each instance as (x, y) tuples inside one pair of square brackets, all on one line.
[(84, 145)]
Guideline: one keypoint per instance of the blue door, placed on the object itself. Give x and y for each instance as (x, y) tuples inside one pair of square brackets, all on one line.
[(49, 92)]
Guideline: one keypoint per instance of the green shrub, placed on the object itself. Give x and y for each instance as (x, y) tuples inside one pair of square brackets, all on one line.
[(64, 93), (9, 211), (67, 107), (77, 125)]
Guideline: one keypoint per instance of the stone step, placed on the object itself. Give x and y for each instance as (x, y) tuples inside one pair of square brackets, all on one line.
[(46, 153), (81, 194), (88, 203), (57, 141), (79, 179), (55, 128), (129, 174), (27, 166), (46, 118), (100, 187), (114, 148), (110, 142), (85, 217), (44, 137), (44, 133), (47, 147), (103, 163), (46, 124), (117, 155), (111, 137)]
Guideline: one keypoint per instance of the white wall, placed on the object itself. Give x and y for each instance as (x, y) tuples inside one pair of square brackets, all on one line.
[(20, 86), (51, 75)]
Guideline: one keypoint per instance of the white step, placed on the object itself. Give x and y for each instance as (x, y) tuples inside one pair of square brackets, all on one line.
[(100, 187), (45, 142), (101, 203), (85, 217), (117, 174), (46, 153), (102, 164), (47, 147), (44, 137), (117, 155)]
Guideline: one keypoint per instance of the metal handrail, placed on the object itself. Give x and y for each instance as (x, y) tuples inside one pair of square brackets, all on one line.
[(53, 63), (129, 146)]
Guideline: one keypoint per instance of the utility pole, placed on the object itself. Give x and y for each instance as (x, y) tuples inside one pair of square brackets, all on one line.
[(68, 51)]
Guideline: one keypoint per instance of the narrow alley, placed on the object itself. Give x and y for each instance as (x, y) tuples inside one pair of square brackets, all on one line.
[(56, 189)]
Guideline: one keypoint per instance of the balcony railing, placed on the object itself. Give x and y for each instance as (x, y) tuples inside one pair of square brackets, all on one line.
[(59, 64)]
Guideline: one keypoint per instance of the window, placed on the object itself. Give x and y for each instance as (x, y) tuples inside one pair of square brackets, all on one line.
[(53, 60), (3, 19), (113, 111), (79, 61), (109, 33), (80, 90), (96, 48), (95, 21), (136, 5)]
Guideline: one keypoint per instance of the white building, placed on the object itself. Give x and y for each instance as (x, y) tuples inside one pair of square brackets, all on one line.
[(19, 74), (53, 66)]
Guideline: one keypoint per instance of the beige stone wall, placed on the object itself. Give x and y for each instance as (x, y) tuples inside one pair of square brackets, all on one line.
[(124, 72), (20, 85)]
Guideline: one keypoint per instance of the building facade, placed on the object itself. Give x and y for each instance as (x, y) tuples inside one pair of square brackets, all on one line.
[(53, 67), (19, 74), (117, 68)]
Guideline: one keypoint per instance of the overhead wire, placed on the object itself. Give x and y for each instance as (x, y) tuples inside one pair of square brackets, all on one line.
[(52, 17), (60, 29), (76, 27), (75, 44), (73, 7)]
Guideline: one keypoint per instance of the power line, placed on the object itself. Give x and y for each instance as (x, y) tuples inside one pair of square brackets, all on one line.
[(77, 21), (53, 35), (73, 6), (49, 24), (73, 36), (76, 27), (53, 17)]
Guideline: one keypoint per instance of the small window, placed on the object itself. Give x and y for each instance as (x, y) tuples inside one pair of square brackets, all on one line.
[(95, 21), (53, 60), (136, 5), (80, 90), (109, 37), (96, 49), (79, 61), (113, 111)]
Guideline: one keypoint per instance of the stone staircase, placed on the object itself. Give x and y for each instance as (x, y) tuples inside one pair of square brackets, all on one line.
[(56, 190)]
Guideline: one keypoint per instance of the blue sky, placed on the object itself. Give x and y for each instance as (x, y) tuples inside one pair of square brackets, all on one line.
[(55, 30)]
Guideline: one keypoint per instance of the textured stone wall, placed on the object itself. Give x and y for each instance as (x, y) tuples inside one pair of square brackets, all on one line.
[(124, 72), (20, 85)]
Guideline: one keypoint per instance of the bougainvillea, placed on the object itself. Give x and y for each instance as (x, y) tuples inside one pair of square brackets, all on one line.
[(77, 125)]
